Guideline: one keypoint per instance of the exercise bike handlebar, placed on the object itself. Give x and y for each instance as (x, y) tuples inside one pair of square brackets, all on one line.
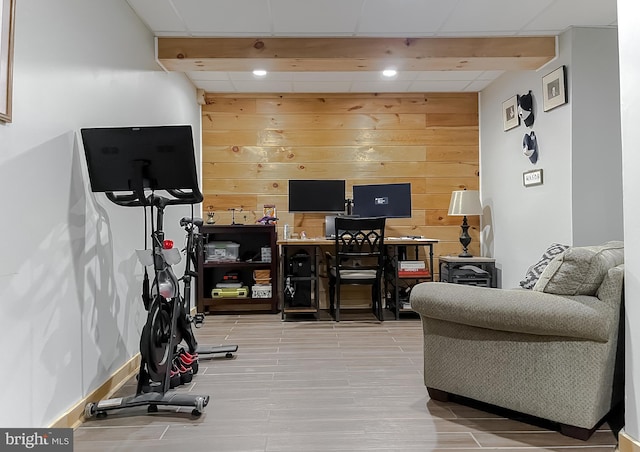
[(136, 200)]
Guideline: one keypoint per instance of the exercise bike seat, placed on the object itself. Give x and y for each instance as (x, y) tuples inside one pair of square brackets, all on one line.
[(186, 220)]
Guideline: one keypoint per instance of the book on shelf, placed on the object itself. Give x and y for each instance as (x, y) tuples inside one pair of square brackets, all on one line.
[(411, 265), (414, 273)]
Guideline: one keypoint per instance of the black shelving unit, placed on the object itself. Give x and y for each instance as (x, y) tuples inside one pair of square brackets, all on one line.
[(252, 238)]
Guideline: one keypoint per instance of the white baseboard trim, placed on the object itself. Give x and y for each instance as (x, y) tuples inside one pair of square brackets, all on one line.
[(75, 416)]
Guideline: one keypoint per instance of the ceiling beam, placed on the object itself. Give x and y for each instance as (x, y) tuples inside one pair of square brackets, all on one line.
[(355, 54)]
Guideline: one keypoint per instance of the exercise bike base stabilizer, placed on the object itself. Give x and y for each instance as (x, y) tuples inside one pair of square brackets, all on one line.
[(139, 161)]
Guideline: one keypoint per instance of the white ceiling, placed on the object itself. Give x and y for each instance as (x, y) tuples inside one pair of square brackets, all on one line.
[(364, 18)]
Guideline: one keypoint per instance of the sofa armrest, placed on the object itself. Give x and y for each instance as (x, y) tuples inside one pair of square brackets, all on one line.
[(514, 310)]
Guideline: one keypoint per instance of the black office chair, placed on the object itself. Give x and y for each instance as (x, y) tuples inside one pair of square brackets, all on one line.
[(358, 259)]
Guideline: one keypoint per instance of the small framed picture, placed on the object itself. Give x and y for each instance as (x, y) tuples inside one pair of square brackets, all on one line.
[(531, 178), (510, 117), (554, 89)]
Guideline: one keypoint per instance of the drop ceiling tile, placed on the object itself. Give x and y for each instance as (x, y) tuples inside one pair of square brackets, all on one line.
[(563, 13), (448, 75), (263, 86), (158, 15), (403, 16), (438, 86), (237, 16), (323, 76), (475, 34), (492, 15), (378, 77), (380, 87), (324, 17), (478, 85), (321, 87), (490, 75)]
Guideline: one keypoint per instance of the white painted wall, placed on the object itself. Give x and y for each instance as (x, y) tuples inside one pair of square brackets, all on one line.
[(629, 36), (70, 311), (595, 136), (579, 149)]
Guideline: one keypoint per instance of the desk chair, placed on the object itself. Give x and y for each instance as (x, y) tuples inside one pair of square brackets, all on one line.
[(358, 259)]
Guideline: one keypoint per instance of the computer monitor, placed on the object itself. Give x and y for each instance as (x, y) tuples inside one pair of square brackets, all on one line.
[(316, 196), (134, 158), (382, 200)]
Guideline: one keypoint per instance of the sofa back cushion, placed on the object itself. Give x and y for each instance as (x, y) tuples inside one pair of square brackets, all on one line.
[(580, 270)]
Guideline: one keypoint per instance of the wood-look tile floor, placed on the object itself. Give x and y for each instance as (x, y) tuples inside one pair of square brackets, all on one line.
[(306, 386)]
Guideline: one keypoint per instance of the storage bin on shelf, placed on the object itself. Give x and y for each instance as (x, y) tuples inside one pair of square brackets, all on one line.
[(261, 291), (230, 292), (222, 251), (262, 276)]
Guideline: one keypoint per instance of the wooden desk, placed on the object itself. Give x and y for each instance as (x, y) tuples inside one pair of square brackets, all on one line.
[(322, 241), (306, 254)]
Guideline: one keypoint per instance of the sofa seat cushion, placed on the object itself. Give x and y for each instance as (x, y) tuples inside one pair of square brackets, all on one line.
[(580, 270), (514, 310)]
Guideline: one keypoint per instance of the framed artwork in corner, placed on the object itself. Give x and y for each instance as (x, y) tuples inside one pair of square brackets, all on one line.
[(7, 13), (554, 89), (510, 117)]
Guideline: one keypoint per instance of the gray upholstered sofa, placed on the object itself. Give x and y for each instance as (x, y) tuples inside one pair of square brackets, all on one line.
[(549, 352)]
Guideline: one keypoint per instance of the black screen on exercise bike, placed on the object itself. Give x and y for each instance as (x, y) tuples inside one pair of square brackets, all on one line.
[(160, 157)]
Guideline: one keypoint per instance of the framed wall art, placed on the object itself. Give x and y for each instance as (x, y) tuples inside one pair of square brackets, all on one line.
[(7, 13), (510, 117), (554, 89)]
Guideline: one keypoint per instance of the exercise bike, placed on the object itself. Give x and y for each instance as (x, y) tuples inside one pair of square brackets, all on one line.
[(193, 247), (168, 323), (141, 161)]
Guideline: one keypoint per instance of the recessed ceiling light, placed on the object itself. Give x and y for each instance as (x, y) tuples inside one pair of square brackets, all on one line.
[(389, 72), (259, 72)]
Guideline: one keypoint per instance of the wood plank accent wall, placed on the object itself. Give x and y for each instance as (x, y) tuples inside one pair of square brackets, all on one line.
[(253, 145)]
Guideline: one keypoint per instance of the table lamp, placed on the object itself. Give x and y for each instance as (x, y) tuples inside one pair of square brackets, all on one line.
[(463, 203)]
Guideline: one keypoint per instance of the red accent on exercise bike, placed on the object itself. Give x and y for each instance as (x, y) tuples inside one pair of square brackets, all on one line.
[(167, 244)]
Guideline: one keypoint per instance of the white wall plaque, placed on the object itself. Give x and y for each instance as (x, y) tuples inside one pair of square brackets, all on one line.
[(530, 178)]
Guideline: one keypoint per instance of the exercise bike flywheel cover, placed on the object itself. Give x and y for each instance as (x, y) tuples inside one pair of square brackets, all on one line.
[(155, 340)]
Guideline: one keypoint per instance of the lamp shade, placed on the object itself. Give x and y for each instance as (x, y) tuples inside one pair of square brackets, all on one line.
[(465, 202)]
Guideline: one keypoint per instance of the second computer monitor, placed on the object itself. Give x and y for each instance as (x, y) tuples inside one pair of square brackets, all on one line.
[(382, 200)]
